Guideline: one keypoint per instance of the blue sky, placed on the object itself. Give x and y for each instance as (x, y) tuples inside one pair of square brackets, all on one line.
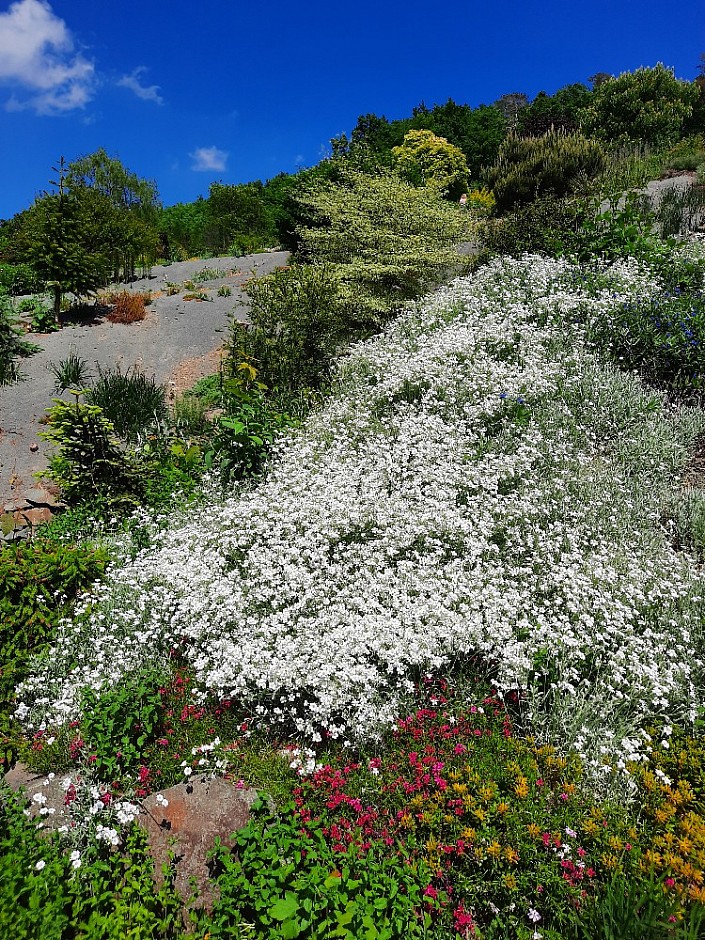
[(188, 93)]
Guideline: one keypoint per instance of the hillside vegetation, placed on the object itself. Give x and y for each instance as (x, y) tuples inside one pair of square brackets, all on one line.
[(422, 565)]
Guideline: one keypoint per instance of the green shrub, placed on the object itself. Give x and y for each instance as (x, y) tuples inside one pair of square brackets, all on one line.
[(245, 433), (12, 346), (133, 403), (285, 881), (121, 723), (89, 462), (427, 160), (547, 226), (649, 105), (390, 242), (296, 326), (39, 584), (557, 163), (20, 279)]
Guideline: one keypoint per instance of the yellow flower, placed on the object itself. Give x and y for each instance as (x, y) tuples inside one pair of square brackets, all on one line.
[(610, 861), (533, 830), (486, 793), (697, 893), (480, 814), (510, 882), (406, 821), (522, 788), (494, 849), (511, 855), (468, 833), (503, 808), (685, 845)]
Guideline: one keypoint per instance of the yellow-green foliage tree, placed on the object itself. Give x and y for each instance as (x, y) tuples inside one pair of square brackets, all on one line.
[(389, 241), (425, 159), (554, 164)]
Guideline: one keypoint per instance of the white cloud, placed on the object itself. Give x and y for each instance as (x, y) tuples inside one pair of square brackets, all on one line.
[(145, 92), (209, 158), (38, 58)]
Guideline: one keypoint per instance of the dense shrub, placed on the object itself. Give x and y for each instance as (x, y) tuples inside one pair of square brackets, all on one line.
[(12, 346), (126, 307), (89, 462), (427, 160), (296, 326), (649, 105), (547, 226), (389, 241), (39, 584), (557, 163), (20, 279)]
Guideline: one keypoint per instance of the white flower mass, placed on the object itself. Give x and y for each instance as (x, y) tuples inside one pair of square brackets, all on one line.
[(479, 486)]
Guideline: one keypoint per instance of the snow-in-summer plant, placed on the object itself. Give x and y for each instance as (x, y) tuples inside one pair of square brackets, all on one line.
[(479, 486)]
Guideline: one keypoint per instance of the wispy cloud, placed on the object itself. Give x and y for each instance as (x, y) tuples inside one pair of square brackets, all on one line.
[(145, 92), (209, 158), (38, 60)]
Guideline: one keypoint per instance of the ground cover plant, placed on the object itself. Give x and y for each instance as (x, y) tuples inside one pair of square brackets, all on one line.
[(446, 419)]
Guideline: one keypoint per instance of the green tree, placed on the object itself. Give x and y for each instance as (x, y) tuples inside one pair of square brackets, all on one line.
[(427, 160), (649, 106), (478, 132), (58, 245), (182, 229), (560, 111), (510, 106), (236, 213), (120, 210)]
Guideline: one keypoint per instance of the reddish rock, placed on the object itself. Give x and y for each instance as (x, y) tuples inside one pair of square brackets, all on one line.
[(33, 517), (197, 812)]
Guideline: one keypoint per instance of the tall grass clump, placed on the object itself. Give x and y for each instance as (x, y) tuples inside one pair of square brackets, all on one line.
[(131, 401)]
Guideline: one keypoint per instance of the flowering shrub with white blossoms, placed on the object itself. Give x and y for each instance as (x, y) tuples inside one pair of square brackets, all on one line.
[(480, 485)]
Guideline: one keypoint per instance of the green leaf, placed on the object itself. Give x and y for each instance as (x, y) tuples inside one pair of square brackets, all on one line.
[(285, 907)]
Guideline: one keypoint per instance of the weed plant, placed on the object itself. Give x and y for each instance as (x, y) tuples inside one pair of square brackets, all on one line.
[(71, 372)]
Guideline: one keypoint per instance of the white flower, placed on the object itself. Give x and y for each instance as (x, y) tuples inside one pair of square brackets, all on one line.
[(40, 864)]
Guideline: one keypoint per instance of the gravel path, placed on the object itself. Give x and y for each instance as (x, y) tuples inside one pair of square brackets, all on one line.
[(179, 341)]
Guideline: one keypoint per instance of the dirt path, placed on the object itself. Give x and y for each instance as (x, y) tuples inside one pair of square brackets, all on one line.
[(178, 342)]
